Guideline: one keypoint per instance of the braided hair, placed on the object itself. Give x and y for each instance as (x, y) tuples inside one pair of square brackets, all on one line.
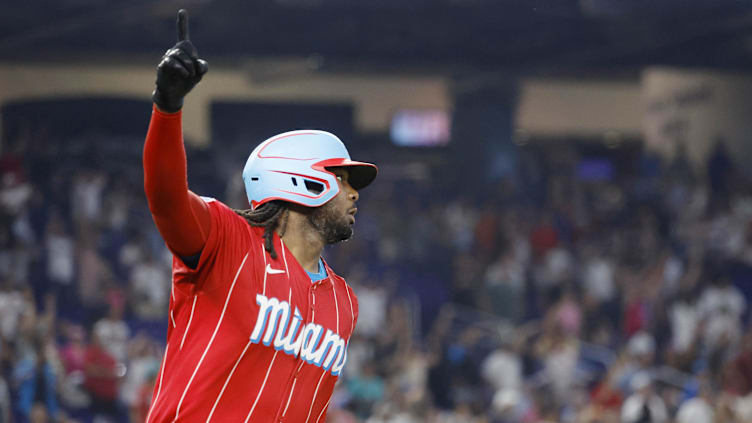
[(270, 216)]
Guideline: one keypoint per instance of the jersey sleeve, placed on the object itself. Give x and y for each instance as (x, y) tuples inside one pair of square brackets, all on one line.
[(228, 242), (180, 215)]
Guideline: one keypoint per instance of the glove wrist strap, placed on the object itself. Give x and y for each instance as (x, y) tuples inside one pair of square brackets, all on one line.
[(165, 104)]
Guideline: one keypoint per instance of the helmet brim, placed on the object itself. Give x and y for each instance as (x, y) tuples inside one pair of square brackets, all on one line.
[(361, 173)]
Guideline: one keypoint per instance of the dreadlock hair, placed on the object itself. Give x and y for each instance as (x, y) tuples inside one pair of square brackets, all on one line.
[(269, 215)]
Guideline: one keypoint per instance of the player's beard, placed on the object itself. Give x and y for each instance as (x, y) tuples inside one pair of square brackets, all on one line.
[(332, 226)]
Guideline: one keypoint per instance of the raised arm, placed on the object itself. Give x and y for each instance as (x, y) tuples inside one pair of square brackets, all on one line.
[(181, 216)]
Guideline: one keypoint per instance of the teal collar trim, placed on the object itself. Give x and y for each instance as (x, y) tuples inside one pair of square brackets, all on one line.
[(321, 274)]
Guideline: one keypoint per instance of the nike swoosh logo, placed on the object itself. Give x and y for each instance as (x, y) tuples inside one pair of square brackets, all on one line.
[(271, 271)]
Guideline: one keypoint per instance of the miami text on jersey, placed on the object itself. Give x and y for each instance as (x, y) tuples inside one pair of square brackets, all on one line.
[(274, 327)]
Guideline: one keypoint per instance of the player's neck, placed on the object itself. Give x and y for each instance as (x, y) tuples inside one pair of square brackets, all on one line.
[(303, 241)]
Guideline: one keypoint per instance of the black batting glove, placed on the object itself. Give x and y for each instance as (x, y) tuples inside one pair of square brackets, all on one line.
[(179, 71)]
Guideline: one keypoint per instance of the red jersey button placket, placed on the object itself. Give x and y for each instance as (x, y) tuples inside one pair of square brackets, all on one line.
[(299, 367)]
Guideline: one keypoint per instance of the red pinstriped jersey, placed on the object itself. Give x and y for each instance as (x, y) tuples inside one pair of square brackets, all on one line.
[(250, 338)]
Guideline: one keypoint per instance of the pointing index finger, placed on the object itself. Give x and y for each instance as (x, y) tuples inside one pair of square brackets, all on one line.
[(182, 25)]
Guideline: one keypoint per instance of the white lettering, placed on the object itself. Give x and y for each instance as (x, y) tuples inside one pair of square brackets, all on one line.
[(337, 369), (272, 314), (279, 314), (263, 314), (311, 337), (275, 326), (286, 343), (332, 344)]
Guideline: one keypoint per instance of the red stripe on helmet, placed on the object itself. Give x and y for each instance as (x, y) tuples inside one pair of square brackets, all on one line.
[(282, 157)]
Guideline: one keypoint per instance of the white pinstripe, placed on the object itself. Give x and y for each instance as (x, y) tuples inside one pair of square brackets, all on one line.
[(173, 319), (336, 307), (352, 323), (227, 381), (352, 313), (263, 291), (262, 386), (316, 391), (284, 258), (190, 319), (313, 319), (216, 329), (159, 389), (290, 397), (323, 409), (313, 400)]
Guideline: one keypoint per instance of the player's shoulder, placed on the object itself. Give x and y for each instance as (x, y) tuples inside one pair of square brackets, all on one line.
[(218, 209), (214, 203), (338, 279), (227, 215)]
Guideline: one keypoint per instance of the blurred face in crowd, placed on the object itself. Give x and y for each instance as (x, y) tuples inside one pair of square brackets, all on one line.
[(334, 219), (38, 414)]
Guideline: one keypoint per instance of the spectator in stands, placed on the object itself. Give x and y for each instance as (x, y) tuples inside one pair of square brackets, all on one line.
[(644, 405), (35, 378), (143, 364), (636, 256), (150, 286), (721, 307), (720, 171), (597, 275), (684, 319), (372, 303), (15, 189), (557, 351), (102, 378), (139, 408), (73, 353), (504, 286), (111, 330), (60, 249), (86, 196), (366, 390), (6, 408), (13, 306), (92, 270), (638, 359), (606, 398), (698, 409), (73, 357), (502, 368)]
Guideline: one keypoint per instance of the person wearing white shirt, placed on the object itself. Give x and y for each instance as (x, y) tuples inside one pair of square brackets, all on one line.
[(644, 405)]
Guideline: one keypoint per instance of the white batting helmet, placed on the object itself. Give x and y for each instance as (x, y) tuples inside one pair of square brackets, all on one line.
[(293, 167)]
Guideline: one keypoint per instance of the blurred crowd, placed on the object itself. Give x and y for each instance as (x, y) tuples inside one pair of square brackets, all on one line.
[(577, 289), (553, 294)]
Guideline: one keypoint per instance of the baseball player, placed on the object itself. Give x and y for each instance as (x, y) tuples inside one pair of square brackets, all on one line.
[(258, 322)]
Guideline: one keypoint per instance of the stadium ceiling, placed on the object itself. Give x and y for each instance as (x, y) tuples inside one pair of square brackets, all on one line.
[(515, 36)]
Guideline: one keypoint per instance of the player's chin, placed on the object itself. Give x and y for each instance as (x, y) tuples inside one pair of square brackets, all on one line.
[(347, 233), (341, 233)]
